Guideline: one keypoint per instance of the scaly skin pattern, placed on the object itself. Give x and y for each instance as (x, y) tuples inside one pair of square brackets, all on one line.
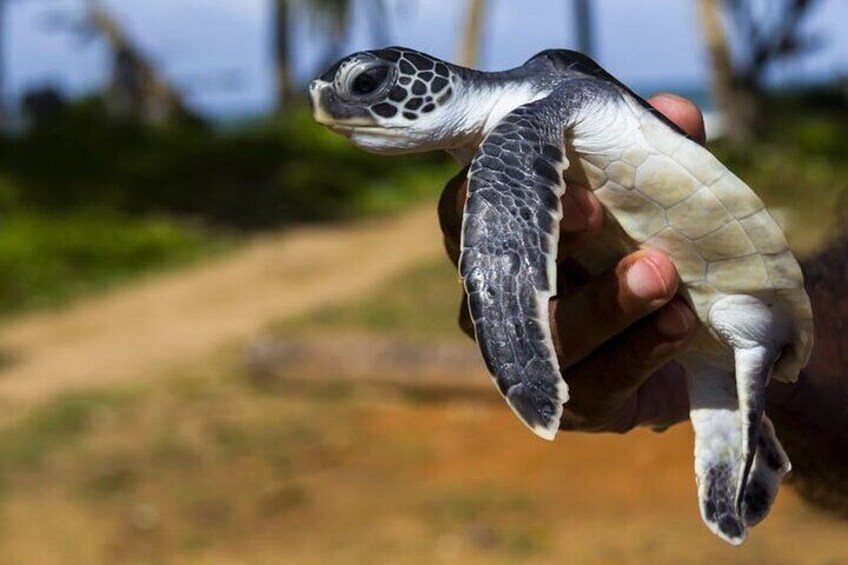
[(668, 193), (560, 119), (509, 245)]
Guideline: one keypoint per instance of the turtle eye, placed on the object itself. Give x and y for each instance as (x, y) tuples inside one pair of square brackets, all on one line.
[(369, 81)]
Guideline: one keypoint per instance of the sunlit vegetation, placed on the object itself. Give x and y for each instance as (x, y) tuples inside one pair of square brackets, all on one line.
[(420, 303), (48, 259), (86, 202), (268, 174), (799, 165)]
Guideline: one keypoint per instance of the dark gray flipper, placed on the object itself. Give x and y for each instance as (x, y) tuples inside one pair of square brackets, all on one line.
[(508, 263), (738, 462), (753, 368), (770, 466), (758, 333)]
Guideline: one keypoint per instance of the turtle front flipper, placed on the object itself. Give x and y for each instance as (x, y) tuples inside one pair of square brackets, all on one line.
[(508, 260)]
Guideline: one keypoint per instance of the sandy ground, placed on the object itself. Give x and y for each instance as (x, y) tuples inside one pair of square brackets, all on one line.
[(140, 332), (386, 479)]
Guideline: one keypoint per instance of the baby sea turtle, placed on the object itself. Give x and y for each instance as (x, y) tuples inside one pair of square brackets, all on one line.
[(557, 119)]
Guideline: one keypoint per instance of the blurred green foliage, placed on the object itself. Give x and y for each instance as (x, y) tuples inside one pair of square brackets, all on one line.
[(86, 202), (26, 444), (47, 259), (800, 164), (287, 169), (422, 302)]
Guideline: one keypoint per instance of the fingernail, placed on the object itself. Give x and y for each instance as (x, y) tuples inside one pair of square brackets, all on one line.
[(671, 96), (675, 320), (645, 280)]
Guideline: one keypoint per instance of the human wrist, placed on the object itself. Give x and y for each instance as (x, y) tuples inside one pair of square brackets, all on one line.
[(814, 432)]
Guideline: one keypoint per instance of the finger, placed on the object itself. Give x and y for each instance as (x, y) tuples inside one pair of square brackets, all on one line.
[(663, 399), (682, 112), (582, 216), (450, 208), (582, 213), (639, 284), (465, 323), (606, 383)]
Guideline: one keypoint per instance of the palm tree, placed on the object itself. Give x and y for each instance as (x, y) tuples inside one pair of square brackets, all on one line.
[(281, 55), (2, 62), (137, 89), (766, 37), (377, 12), (583, 26), (736, 104), (469, 42), (332, 17)]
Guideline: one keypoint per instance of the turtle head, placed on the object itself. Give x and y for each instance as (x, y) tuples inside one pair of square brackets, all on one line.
[(393, 100)]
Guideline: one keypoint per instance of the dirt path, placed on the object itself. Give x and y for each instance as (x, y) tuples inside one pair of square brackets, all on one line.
[(140, 332)]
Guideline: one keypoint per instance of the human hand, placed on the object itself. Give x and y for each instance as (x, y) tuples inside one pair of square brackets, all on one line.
[(615, 334), (810, 415)]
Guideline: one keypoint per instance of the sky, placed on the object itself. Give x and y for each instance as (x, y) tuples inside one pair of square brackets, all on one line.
[(218, 51)]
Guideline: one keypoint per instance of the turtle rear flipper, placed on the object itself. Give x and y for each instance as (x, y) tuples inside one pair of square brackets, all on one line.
[(738, 461), (770, 466), (719, 459)]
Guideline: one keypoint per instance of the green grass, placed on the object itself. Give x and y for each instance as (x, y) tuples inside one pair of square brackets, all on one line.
[(454, 507), (47, 260), (175, 458), (162, 469), (799, 166), (421, 302), (26, 444), (496, 520)]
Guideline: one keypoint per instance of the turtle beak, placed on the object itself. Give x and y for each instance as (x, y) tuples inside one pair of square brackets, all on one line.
[(329, 110), (318, 90)]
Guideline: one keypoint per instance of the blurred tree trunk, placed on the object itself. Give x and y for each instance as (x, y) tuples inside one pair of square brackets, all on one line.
[(282, 54), (137, 89), (738, 103), (583, 27), (764, 34), (377, 12), (330, 16), (2, 62), (469, 42)]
